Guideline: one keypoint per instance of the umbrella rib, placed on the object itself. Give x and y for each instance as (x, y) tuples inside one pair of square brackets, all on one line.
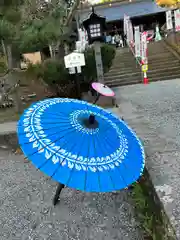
[(28, 125), (95, 150), (44, 129), (72, 170), (106, 161), (59, 115), (85, 178), (50, 158), (46, 145), (122, 161), (119, 171), (44, 137), (60, 163), (72, 110)]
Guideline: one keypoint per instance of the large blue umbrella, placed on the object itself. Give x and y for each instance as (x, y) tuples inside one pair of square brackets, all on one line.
[(81, 145)]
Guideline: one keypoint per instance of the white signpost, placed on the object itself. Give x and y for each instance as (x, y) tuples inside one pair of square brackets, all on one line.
[(74, 61)]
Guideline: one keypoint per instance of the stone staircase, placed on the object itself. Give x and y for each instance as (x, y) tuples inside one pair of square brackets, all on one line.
[(124, 69), (163, 65)]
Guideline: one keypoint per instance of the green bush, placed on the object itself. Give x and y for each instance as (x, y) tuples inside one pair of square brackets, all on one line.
[(51, 71), (108, 54), (3, 66), (54, 73), (89, 71)]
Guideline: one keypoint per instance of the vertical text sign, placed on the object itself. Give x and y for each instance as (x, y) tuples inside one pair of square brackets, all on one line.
[(169, 23), (137, 41)]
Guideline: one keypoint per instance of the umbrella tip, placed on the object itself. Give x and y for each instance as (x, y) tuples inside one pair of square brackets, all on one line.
[(91, 119), (122, 119)]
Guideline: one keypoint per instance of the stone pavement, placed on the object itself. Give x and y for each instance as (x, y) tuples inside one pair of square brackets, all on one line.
[(7, 127), (153, 111), (26, 210)]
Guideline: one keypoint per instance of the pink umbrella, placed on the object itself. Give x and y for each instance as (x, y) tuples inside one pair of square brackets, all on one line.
[(103, 89)]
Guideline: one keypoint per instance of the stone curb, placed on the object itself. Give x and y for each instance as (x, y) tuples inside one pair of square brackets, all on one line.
[(8, 128)]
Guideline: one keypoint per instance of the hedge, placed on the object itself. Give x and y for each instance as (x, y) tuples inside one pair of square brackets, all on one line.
[(54, 73)]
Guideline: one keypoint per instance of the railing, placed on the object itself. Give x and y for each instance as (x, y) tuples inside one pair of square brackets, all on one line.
[(171, 38)]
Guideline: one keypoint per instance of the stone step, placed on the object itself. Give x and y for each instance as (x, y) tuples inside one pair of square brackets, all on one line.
[(129, 66), (166, 64), (132, 66), (160, 56), (124, 59), (119, 78), (170, 59), (151, 59), (128, 70), (157, 69), (151, 73), (162, 69), (117, 83)]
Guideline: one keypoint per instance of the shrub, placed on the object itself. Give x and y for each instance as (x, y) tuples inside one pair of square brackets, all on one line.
[(108, 54), (3, 66), (89, 71), (54, 73)]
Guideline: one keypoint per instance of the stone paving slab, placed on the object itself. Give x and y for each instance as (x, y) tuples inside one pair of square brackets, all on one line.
[(153, 111), (8, 127)]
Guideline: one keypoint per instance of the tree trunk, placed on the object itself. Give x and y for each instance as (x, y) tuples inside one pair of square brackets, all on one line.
[(3, 48), (16, 95)]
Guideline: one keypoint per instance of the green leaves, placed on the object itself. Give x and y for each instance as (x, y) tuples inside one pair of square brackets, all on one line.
[(6, 30), (12, 15)]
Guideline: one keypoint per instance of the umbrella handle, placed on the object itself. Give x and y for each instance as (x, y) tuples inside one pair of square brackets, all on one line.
[(96, 99), (57, 194)]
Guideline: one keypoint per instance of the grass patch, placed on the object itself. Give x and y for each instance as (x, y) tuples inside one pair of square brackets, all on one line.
[(150, 212)]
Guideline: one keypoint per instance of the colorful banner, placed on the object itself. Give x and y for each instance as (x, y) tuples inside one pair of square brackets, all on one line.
[(169, 23), (126, 19), (128, 30), (131, 34), (137, 41), (177, 20), (144, 52), (82, 40)]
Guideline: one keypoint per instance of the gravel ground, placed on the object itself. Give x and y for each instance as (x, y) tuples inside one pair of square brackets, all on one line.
[(153, 111), (26, 210)]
